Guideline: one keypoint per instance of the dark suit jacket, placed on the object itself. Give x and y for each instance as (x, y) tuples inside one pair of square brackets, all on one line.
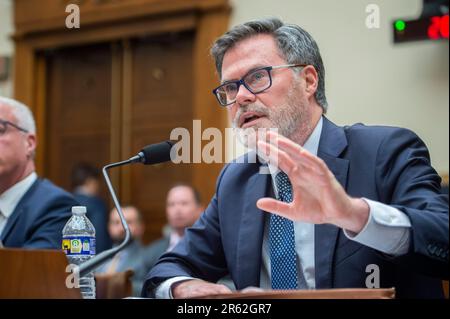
[(385, 164), (39, 218), (98, 215)]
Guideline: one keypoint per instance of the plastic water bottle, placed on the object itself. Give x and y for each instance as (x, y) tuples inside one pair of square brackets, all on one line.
[(79, 245)]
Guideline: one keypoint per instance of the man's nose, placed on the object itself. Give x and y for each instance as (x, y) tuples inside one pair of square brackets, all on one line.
[(244, 96)]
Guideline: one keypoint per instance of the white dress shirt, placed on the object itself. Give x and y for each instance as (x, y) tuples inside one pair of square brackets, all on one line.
[(11, 197), (386, 230), (174, 239)]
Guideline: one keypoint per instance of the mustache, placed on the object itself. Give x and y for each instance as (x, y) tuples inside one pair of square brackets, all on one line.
[(249, 108)]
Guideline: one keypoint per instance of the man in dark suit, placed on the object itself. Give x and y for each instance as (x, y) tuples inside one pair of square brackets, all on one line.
[(355, 206), (33, 211)]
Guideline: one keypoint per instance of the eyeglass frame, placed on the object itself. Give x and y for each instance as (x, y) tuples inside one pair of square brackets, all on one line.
[(6, 123), (242, 82)]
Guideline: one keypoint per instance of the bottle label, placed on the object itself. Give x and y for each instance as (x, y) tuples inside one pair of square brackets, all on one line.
[(78, 245)]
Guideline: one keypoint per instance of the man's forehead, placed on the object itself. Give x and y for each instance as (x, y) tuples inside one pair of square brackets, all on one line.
[(180, 191), (248, 54), (6, 113)]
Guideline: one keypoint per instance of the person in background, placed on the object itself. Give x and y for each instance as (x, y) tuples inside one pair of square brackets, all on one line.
[(133, 256), (183, 207), (86, 188), (33, 211)]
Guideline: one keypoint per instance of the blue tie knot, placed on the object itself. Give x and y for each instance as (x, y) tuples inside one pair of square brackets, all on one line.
[(284, 187)]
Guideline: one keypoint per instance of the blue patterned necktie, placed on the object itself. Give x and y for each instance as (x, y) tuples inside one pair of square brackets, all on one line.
[(283, 257)]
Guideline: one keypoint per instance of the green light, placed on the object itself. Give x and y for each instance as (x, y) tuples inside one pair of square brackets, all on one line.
[(400, 25)]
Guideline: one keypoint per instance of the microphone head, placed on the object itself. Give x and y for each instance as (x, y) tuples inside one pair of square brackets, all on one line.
[(156, 153)]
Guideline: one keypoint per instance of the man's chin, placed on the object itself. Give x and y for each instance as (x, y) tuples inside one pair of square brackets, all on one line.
[(249, 136)]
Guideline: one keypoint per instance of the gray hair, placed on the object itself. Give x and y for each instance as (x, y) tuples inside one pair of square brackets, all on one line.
[(22, 113), (295, 45)]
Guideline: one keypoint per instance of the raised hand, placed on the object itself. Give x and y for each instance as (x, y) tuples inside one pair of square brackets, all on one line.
[(317, 196)]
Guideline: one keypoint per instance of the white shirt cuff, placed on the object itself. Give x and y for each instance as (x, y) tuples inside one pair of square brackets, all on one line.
[(386, 230), (164, 290)]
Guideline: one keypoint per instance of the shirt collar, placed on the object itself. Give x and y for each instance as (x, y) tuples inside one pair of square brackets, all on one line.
[(311, 144), (173, 240), (11, 197)]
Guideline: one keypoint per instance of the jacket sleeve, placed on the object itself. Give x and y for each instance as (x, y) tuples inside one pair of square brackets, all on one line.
[(406, 181), (46, 231)]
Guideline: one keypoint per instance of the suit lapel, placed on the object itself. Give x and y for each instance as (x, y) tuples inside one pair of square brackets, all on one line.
[(332, 143), (12, 220), (251, 232), (18, 212)]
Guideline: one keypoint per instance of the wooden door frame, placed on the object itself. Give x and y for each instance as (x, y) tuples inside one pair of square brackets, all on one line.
[(207, 18)]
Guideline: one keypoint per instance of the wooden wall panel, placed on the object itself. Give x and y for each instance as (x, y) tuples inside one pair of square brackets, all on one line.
[(78, 109), (161, 101), (33, 16), (209, 27), (135, 70)]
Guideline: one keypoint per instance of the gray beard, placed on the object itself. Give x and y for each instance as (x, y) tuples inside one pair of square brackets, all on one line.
[(291, 120)]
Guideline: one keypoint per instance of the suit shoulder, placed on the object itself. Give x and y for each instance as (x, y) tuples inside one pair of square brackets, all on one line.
[(242, 163), (376, 134), (47, 189), (49, 197)]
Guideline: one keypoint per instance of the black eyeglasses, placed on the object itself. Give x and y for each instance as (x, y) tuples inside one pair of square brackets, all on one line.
[(256, 81), (4, 126)]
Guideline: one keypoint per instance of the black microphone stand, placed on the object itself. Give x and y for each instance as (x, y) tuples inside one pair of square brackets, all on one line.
[(151, 154), (93, 263)]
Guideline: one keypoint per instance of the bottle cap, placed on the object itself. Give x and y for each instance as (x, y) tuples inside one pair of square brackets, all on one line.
[(78, 210)]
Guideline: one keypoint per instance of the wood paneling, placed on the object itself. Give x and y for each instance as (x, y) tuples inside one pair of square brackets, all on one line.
[(135, 70), (78, 109), (161, 100), (34, 273), (33, 16), (205, 106), (120, 30)]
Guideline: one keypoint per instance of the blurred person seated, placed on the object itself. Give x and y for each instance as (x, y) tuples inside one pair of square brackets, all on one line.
[(133, 256), (86, 189), (183, 207), (33, 211)]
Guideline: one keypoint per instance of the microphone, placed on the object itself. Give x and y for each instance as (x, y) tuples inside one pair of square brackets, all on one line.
[(154, 153), (151, 154)]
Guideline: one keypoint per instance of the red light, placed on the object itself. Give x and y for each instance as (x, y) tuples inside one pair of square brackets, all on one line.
[(434, 28), (444, 26), (438, 27)]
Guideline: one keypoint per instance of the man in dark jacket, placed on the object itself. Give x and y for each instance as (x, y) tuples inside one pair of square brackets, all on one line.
[(33, 211)]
